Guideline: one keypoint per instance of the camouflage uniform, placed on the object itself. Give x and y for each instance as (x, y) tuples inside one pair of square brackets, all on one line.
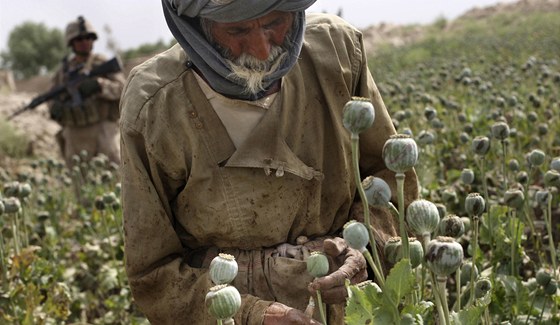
[(92, 126)]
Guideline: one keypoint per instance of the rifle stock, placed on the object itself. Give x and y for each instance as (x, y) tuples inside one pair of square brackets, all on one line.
[(111, 66)]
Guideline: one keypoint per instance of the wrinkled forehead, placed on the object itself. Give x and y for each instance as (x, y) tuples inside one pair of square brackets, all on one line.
[(226, 11)]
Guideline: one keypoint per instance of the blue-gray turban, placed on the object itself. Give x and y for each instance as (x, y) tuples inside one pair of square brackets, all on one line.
[(182, 19)]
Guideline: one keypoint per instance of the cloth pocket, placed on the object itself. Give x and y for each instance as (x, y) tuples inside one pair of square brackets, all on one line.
[(288, 279)]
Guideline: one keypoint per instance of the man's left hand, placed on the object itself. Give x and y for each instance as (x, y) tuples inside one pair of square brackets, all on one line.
[(345, 263)]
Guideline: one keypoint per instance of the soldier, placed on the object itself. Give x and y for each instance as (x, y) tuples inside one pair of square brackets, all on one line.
[(91, 123)]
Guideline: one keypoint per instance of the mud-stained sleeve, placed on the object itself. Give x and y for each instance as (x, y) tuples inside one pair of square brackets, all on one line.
[(166, 289)]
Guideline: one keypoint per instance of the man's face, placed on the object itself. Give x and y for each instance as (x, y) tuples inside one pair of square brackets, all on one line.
[(254, 48), (253, 37), (82, 45)]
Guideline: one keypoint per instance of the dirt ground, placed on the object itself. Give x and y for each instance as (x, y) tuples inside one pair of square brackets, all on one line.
[(40, 129)]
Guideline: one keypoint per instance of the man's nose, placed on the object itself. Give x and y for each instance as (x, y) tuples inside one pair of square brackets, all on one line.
[(259, 45)]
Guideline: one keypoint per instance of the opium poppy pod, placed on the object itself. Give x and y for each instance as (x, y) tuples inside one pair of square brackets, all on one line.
[(356, 235), (400, 153), (422, 217), (317, 264), (481, 145), (451, 226), (358, 115), (474, 204), (514, 198), (378, 192), (223, 269), (444, 255), (223, 301)]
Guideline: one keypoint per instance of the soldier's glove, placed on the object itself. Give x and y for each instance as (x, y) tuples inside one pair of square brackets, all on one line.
[(344, 263), (280, 314), (89, 87)]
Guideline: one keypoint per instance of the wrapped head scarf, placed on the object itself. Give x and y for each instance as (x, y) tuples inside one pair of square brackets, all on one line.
[(182, 18)]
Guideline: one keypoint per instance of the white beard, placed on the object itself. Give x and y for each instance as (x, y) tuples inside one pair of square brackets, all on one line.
[(252, 71)]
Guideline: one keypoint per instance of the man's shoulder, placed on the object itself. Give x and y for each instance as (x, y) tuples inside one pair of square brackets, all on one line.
[(329, 21), (147, 79), (159, 69)]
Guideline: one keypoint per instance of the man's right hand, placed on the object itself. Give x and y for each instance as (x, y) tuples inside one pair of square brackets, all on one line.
[(280, 314)]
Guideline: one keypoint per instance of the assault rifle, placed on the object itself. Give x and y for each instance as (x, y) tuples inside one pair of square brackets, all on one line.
[(71, 87)]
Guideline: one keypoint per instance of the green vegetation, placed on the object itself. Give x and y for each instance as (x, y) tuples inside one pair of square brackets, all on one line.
[(12, 143), (33, 48), (147, 49), (505, 38)]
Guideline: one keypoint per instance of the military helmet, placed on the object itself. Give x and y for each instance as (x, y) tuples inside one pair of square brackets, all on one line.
[(79, 27)]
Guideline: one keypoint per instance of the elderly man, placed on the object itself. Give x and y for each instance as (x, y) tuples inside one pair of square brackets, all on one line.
[(233, 141)]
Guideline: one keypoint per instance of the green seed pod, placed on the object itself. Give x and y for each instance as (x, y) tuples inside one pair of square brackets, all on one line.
[(536, 157), (425, 138), (24, 190), (106, 177), (542, 129), (99, 203), (555, 164), (392, 249), (466, 223), (552, 178), (109, 198), (467, 176), (444, 255), (416, 252), (522, 177), (466, 271), (378, 192), (358, 115), (513, 165), (223, 301), (223, 269), (481, 287), (1, 207), (514, 198), (422, 217), (531, 284), (464, 137), (43, 216), (11, 189), (500, 130), (400, 153), (76, 160), (317, 264), (474, 204), (481, 145), (116, 205), (451, 226), (449, 196), (430, 113), (543, 277), (551, 288), (542, 197), (442, 210), (356, 235), (12, 205), (118, 188)]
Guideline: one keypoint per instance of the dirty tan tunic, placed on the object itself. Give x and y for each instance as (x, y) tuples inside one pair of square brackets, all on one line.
[(187, 189), (93, 127)]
